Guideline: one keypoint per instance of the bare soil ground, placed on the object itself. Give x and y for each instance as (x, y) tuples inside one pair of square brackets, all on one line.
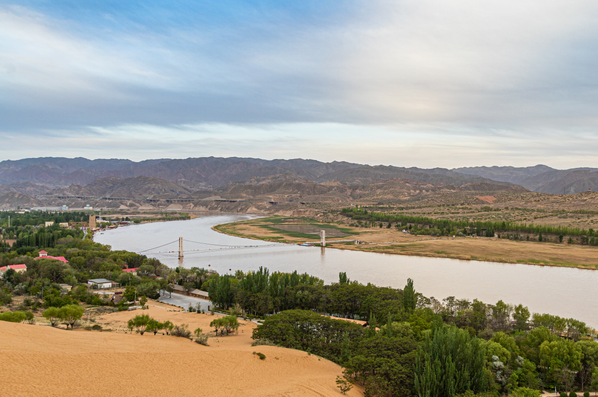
[(393, 241), (46, 361)]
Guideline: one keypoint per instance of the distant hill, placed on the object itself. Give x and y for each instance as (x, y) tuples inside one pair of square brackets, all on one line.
[(24, 187), (516, 175), (138, 187), (369, 174), (570, 182), (209, 173), (541, 178), (293, 189), (17, 200)]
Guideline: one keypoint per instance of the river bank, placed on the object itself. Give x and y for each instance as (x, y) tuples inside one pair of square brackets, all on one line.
[(392, 241)]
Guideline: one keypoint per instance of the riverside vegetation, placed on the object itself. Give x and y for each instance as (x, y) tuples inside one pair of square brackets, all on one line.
[(412, 345)]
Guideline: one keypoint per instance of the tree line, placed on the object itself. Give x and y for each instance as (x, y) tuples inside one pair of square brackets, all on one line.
[(445, 227), (414, 345)]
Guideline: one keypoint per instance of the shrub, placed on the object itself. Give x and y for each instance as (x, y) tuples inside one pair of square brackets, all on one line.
[(154, 326), (586, 394), (29, 317), (5, 296), (260, 355), (226, 324), (343, 385), (13, 317), (202, 340), (168, 326), (572, 394), (181, 331), (524, 392)]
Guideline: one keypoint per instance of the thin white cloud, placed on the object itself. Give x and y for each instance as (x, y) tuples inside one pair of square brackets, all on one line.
[(462, 80)]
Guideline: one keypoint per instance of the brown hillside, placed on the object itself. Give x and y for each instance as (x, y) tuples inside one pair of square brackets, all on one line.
[(141, 186)]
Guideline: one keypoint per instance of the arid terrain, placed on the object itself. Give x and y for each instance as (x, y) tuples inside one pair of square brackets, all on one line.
[(392, 241), (41, 360)]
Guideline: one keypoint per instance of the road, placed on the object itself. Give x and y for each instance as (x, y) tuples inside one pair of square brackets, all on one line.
[(184, 301)]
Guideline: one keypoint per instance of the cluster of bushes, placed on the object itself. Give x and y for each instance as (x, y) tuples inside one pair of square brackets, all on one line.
[(425, 347), (17, 316), (144, 323), (68, 315), (225, 325)]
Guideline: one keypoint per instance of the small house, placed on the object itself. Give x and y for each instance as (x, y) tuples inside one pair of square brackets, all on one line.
[(17, 268), (132, 271), (99, 283), (200, 294)]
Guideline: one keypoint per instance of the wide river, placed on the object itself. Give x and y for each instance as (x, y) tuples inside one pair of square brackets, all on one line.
[(562, 291)]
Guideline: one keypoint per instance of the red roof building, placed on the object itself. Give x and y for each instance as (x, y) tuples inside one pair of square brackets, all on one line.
[(44, 255), (17, 268)]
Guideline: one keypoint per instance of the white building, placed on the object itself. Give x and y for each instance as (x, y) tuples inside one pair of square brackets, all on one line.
[(99, 283)]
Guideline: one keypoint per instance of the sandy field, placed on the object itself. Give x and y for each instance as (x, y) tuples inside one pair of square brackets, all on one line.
[(393, 241), (37, 360)]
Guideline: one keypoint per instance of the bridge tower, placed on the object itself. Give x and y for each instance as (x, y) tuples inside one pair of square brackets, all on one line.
[(323, 238), (180, 248)]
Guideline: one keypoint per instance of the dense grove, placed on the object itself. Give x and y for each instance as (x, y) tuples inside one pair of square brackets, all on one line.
[(447, 227), (413, 345)]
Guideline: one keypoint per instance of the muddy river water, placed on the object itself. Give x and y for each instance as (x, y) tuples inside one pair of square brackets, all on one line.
[(562, 291)]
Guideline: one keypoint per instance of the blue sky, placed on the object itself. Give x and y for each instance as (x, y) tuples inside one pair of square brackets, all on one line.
[(410, 83)]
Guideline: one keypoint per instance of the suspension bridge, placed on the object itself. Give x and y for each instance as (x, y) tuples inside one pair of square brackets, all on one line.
[(167, 248)]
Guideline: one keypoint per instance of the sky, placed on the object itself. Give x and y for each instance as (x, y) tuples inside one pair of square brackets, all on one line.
[(426, 83)]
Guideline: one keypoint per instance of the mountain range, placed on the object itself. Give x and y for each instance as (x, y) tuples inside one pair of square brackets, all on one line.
[(540, 178), (169, 178)]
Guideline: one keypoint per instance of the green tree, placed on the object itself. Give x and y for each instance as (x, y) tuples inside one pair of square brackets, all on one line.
[(143, 301), (71, 314), (5, 296), (52, 314), (146, 270), (521, 316), (409, 300), (154, 326), (589, 361), (129, 294), (140, 323), (562, 358), (449, 362), (309, 331), (384, 366)]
